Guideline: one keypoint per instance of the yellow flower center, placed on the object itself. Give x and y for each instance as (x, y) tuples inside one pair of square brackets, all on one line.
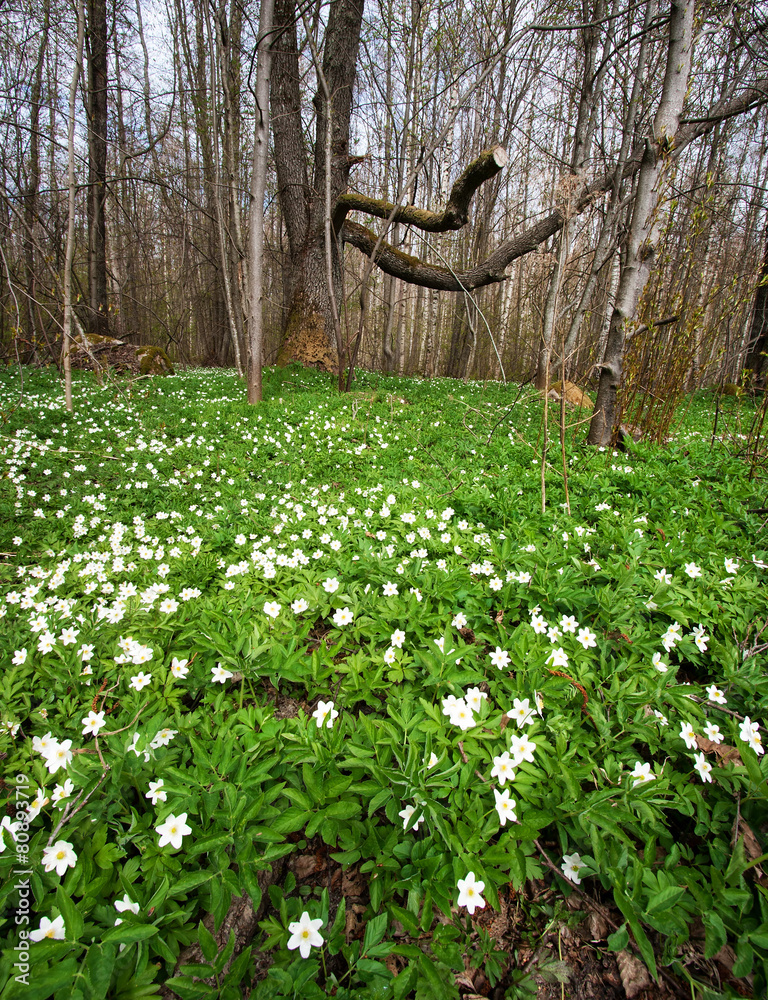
[(61, 854), (305, 934)]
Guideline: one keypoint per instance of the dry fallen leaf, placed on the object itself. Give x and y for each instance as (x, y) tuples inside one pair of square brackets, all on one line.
[(354, 923), (598, 927), (752, 848), (464, 980), (634, 975), (726, 956), (722, 750)]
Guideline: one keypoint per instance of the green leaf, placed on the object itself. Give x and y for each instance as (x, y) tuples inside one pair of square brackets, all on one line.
[(439, 987), (372, 968), (665, 899), (188, 989), (159, 895), (745, 958), (56, 982), (376, 889), (404, 983), (343, 810), (715, 934), (225, 954), (298, 798), (312, 784), (208, 844), (516, 860), (128, 933), (199, 969), (250, 883), (190, 881), (752, 765), (239, 968), (407, 919), (645, 946), (99, 963), (374, 931), (619, 940), (291, 821), (207, 942), (378, 800), (108, 854), (73, 921)]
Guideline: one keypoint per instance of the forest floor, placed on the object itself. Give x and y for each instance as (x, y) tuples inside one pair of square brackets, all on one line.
[(364, 696)]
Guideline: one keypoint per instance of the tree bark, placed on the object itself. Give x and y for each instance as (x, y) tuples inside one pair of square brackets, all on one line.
[(455, 215), (229, 286), (645, 227), (308, 327), (255, 341), (606, 244), (756, 363), (97, 166), (418, 272), (31, 225), (70, 251)]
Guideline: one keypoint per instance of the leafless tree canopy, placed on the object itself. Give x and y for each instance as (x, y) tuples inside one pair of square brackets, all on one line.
[(568, 183)]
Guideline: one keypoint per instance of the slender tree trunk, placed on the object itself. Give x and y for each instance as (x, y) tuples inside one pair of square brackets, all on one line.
[(219, 204), (70, 252), (646, 222), (606, 241), (31, 226), (591, 89), (97, 162), (756, 363), (228, 40), (256, 215), (546, 344)]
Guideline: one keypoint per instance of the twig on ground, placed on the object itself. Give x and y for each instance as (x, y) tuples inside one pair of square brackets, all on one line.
[(451, 491)]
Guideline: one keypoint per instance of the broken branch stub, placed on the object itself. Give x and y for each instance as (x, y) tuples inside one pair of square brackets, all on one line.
[(455, 215)]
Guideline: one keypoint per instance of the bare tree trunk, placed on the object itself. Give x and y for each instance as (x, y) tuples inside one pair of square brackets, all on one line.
[(218, 201), (609, 226), (67, 331), (546, 343), (646, 223), (309, 324), (255, 341), (97, 159), (756, 363), (31, 225)]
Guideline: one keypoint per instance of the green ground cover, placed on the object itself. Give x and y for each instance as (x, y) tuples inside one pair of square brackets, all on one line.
[(340, 627)]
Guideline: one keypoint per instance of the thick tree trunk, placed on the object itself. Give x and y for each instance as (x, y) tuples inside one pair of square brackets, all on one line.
[(308, 330)]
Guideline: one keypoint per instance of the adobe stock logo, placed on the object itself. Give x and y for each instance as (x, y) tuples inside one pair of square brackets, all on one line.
[(22, 871)]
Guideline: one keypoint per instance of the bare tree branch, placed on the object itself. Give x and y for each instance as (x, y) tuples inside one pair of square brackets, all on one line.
[(455, 215), (418, 272)]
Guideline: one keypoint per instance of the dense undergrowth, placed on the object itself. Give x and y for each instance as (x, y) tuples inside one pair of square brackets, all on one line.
[(341, 627)]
